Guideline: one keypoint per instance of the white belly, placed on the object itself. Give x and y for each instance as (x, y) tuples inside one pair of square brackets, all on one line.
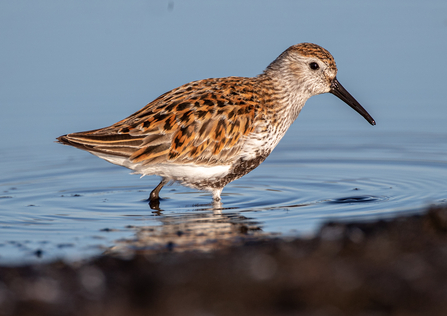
[(171, 171)]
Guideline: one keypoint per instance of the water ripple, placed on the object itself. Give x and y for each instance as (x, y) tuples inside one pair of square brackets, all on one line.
[(89, 204)]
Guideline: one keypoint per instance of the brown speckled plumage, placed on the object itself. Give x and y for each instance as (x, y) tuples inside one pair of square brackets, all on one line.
[(210, 132), (201, 122)]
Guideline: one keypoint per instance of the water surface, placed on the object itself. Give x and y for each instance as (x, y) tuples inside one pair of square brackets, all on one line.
[(69, 67)]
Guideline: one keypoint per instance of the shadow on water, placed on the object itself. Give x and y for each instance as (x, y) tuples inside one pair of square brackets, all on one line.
[(356, 199)]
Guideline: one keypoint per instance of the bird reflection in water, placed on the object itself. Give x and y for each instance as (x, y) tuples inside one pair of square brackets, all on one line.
[(204, 228)]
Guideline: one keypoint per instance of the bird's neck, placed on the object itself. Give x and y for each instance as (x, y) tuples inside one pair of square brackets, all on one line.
[(288, 95)]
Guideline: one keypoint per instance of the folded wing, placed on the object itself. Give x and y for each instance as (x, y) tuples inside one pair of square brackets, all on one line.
[(202, 122)]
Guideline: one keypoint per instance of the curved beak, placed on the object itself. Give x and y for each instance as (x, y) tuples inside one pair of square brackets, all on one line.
[(338, 90)]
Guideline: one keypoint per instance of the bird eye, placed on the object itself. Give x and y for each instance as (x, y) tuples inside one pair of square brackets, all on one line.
[(314, 66)]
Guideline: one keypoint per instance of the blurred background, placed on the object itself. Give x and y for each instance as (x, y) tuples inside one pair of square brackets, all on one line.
[(68, 66), (75, 65)]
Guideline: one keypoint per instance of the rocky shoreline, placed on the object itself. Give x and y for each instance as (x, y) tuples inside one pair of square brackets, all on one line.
[(393, 267)]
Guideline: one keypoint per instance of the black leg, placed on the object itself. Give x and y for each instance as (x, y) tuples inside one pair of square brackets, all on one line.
[(153, 197)]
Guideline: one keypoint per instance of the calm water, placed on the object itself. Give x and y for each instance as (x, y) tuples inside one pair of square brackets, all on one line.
[(71, 67)]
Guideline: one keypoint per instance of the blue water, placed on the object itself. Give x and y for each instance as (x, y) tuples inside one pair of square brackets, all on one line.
[(71, 66)]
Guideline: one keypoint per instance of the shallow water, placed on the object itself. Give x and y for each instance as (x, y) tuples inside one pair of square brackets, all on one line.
[(66, 74), (79, 205)]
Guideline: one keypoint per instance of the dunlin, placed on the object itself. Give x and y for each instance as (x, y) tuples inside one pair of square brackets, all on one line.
[(210, 132)]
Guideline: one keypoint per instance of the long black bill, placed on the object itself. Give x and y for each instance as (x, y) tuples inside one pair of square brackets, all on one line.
[(338, 90)]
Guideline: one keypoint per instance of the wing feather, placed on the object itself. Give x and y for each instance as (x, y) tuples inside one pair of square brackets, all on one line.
[(202, 122)]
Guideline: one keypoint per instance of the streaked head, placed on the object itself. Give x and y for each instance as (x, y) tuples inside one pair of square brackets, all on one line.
[(312, 69)]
